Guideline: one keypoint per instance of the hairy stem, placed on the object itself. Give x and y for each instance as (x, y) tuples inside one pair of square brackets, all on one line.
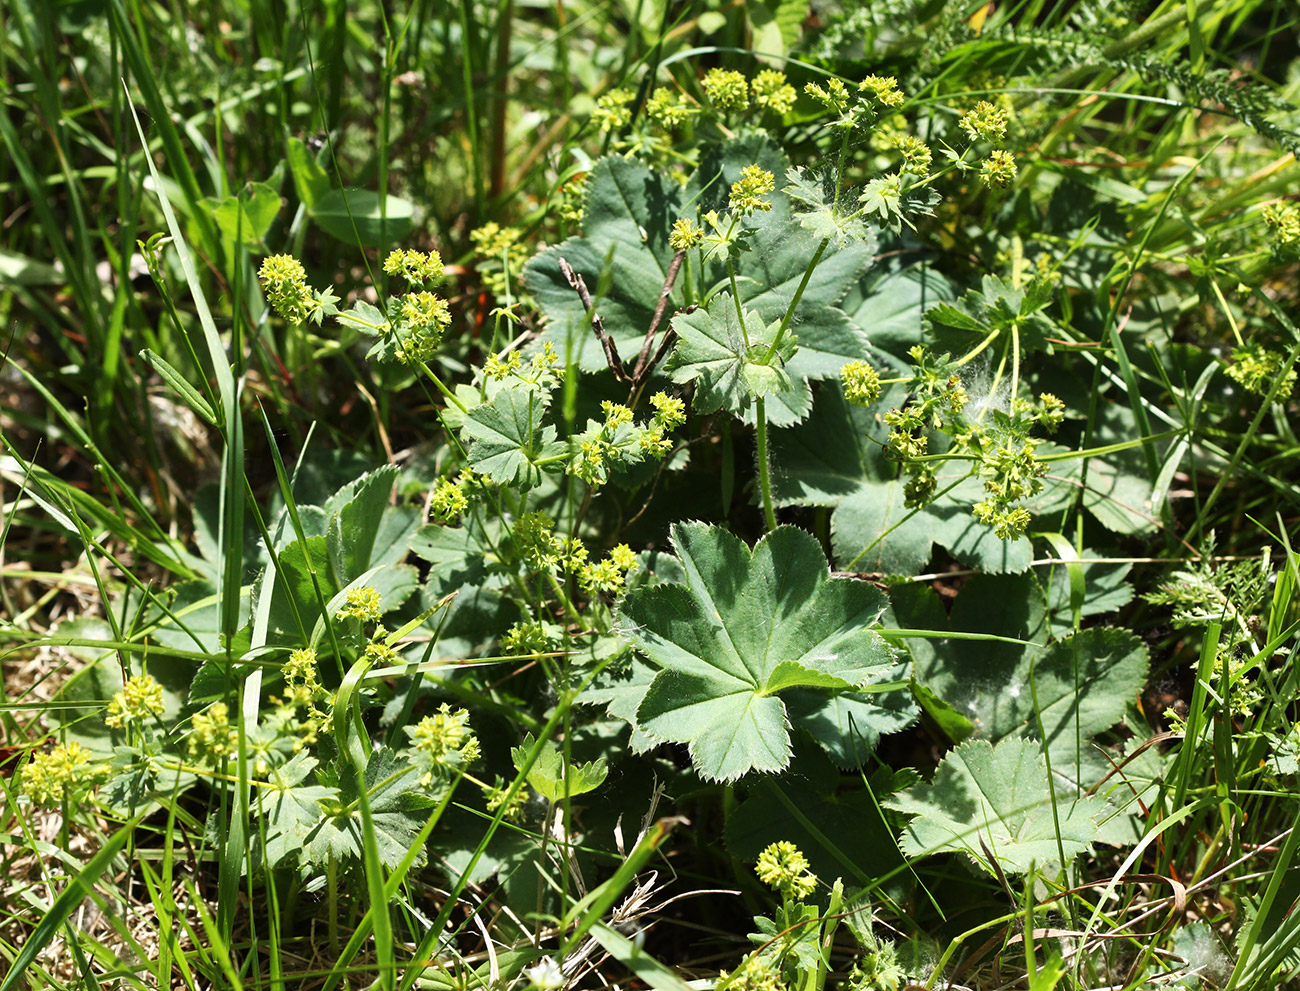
[(764, 469)]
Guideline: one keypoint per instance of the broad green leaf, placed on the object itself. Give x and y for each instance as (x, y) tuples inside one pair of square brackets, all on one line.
[(1118, 495), (362, 217), (1105, 590), (508, 439), (291, 809), (721, 636), (623, 254), (355, 514), (245, 218), (996, 797), (396, 801), (552, 778), (309, 179), (888, 305), (730, 368)]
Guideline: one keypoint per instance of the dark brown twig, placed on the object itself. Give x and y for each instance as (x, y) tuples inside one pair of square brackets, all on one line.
[(640, 371), (598, 325)]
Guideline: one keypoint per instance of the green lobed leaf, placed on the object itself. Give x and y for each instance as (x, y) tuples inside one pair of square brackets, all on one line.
[(721, 636), (553, 778), (396, 801), (996, 797), (507, 437), (729, 368)]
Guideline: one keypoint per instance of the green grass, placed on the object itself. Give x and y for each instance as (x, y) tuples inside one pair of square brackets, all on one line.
[(166, 439)]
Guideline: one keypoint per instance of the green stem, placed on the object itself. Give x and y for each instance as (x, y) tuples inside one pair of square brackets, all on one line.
[(798, 295), (447, 393), (735, 297), (764, 470)]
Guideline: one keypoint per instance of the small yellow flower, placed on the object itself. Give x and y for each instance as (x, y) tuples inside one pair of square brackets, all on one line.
[(861, 383), (748, 190), (612, 110), (726, 89), (284, 281), (771, 92), (361, 603), (684, 235), (52, 774), (985, 121), (883, 89), (139, 698), (999, 169)]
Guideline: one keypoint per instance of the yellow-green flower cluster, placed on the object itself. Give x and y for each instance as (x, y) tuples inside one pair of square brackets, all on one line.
[(492, 239), (1051, 411), (984, 121), (667, 109), (378, 652), (535, 539), (612, 111), (757, 973), (748, 191), (1256, 368), (211, 735), (284, 281), (783, 867), (425, 310), (916, 154), (619, 440), (726, 89), (540, 369), (834, 96), (1008, 522), (414, 266), (607, 575), (302, 691), (443, 741), (770, 92), (1283, 219), (685, 235), (883, 90), (424, 318), (361, 603), (141, 697), (861, 383), (60, 771), (448, 501), (999, 169), (496, 797), (501, 252), (527, 638)]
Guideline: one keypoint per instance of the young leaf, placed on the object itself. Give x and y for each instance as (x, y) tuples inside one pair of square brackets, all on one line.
[(309, 179), (725, 639), (508, 438), (245, 218), (996, 797), (712, 352), (549, 772)]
